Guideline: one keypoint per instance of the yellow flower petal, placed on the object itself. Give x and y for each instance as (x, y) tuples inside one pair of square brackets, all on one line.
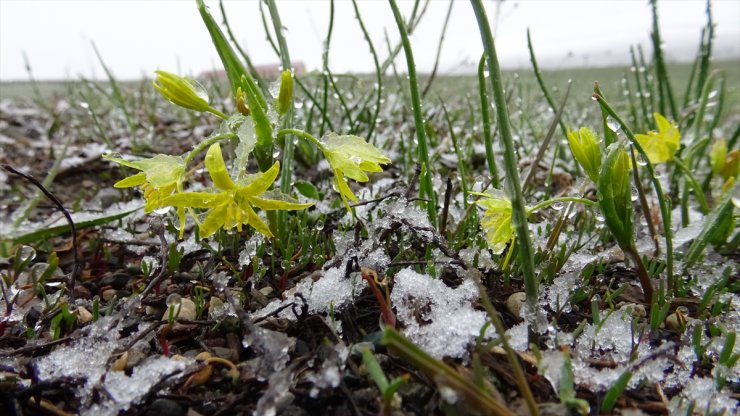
[(135, 180), (217, 168)]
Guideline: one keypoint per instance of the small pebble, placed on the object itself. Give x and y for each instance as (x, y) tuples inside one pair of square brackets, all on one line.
[(514, 303), (109, 294), (187, 310), (83, 315)]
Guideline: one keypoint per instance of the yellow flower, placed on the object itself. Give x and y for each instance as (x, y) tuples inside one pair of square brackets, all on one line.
[(584, 145), (234, 205), (185, 92), (662, 145), (496, 219), (160, 176), (351, 156)]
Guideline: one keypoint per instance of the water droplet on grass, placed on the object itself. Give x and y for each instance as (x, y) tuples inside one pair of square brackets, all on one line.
[(613, 124), (27, 254)]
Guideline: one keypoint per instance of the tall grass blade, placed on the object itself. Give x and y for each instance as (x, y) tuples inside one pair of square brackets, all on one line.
[(485, 106), (519, 216), (426, 189), (664, 82)]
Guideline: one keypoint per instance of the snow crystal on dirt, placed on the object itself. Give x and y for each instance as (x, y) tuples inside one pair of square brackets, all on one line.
[(557, 294), (703, 392), (429, 311), (332, 290), (613, 338), (125, 391)]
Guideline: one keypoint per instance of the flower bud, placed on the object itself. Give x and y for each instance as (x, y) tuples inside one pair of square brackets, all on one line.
[(185, 92), (285, 97)]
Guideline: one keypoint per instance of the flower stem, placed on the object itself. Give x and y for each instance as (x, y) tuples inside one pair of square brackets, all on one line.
[(552, 201), (301, 134), (207, 143), (217, 113)]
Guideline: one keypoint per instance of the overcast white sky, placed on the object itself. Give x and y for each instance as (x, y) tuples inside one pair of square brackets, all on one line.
[(137, 37)]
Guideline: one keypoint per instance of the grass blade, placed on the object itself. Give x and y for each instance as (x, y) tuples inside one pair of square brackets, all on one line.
[(519, 216)]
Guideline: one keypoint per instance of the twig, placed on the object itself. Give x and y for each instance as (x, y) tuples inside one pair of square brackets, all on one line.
[(156, 225), (58, 203), (33, 348)]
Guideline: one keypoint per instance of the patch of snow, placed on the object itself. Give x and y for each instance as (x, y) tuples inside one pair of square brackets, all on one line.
[(556, 296), (703, 393), (125, 391), (333, 290), (429, 311)]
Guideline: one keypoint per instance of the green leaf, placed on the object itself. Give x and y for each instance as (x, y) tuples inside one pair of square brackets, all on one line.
[(496, 219), (715, 230), (262, 125), (584, 144), (49, 232), (614, 195), (308, 190), (610, 399), (233, 67)]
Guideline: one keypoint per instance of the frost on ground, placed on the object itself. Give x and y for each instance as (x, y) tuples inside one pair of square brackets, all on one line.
[(89, 359)]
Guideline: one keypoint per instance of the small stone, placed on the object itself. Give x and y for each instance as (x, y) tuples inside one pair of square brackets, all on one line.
[(83, 315), (267, 290), (165, 407), (514, 303), (187, 310), (109, 294)]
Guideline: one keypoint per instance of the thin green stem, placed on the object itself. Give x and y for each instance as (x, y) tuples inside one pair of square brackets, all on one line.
[(286, 175), (217, 113), (644, 202), (207, 143), (460, 158), (426, 190), (519, 215), (663, 201), (485, 105), (325, 63), (556, 200), (301, 134), (323, 110)]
